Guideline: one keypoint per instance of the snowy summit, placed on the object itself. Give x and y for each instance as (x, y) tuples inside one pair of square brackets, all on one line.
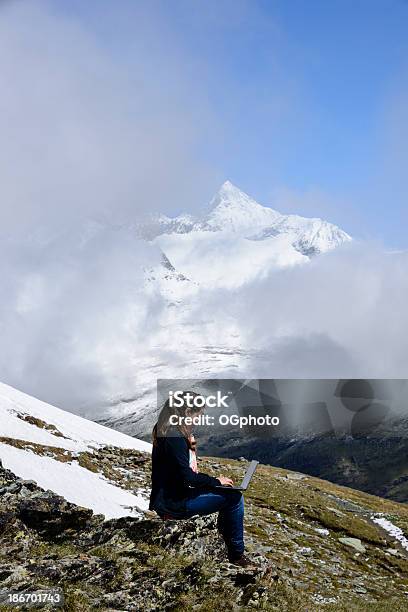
[(233, 209), (238, 239)]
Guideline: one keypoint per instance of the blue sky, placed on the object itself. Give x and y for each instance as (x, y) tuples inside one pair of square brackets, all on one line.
[(305, 90), (301, 103)]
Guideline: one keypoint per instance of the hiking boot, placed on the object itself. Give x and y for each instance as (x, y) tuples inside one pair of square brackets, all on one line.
[(242, 561)]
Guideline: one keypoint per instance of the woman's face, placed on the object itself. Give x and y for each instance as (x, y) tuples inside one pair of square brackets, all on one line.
[(194, 413)]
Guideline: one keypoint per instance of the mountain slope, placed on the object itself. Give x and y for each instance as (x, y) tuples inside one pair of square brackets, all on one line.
[(69, 455), (314, 546), (120, 311), (376, 464), (235, 243)]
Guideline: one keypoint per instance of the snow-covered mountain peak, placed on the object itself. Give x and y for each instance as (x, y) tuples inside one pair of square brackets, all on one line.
[(229, 191), (239, 239), (233, 209)]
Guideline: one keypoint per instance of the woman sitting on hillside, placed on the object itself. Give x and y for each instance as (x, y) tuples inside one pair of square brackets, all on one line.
[(180, 491)]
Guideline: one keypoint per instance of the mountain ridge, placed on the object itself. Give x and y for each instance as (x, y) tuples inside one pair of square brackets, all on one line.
[(231, 209), (236, 239)]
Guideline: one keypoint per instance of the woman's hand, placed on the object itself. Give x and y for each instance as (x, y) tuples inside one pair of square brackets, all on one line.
[(227, 482)]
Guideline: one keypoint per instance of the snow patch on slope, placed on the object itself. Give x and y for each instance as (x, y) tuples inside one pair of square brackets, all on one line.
[(80, 434), (394, 531), (27, 419), (75, 483)]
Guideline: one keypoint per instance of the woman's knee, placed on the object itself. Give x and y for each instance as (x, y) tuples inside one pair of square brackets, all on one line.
[(240, 500), (234, 498)]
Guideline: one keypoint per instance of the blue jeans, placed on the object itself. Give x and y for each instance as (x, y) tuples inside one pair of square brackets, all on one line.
[(230, 508)]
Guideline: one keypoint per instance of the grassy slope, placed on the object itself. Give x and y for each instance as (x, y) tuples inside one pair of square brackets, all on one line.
[(311, 570), (283, 515)]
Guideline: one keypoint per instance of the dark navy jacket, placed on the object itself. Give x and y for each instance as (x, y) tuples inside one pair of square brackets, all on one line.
[(172, 476)]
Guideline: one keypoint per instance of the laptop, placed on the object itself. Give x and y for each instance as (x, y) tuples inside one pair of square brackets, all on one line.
[(245, 481)]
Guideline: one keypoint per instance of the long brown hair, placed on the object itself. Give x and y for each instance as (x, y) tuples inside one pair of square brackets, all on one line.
[(163, 422)]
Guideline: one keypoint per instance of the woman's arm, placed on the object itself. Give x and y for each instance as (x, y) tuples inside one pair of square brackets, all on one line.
[(178, 447)]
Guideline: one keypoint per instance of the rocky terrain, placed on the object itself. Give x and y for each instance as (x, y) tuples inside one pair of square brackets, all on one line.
[(314, 546), (73, 500)]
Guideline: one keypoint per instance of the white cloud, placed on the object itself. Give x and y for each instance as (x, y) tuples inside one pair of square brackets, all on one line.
[(73, 312), (84, 135), (341, 315), (78, 327), (85, 132)]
